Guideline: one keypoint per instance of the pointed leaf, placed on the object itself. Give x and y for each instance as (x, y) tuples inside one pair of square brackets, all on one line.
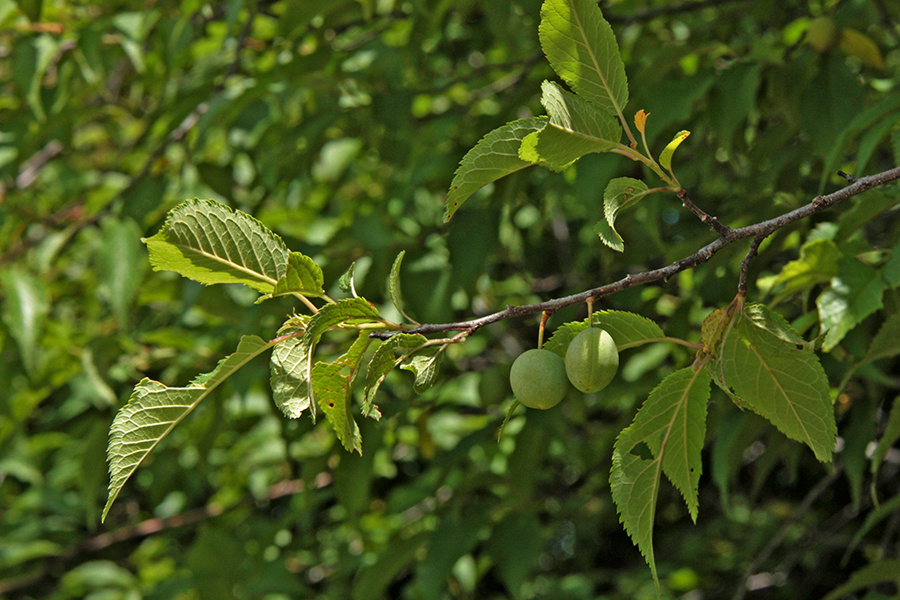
[(666, 436), (302, 276), (575, 128), (383, 361), (333, 384), (886, 570), (640, 120), (208, 242), (782, 384), (764, 317), (888, 438), (582, 49), (665, 157), (394, 287), (289, 376), (626, 329), (496, 155), (424, 363), (619, 194), (154, 410)]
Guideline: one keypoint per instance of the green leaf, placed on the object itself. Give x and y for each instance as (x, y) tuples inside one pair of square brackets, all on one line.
[(394, 287), (782, 384), (854, 295), (575, 128), (154, 410), (666, 437), (627, 330), (351, 311), (424, 363), (302, 276), (208, 242), (875, 516), (496, 155), (818, 263), (333, 386), (383, 361), (620, 193), (582, 49), (882, 571), (25, 307), (764, 317), (665, 157), (886, 343), (121, 264), (372, 580), (888, 438), (289, 376)]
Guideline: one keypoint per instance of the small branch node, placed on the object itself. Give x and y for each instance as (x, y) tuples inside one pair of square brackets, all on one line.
[(848, 177)]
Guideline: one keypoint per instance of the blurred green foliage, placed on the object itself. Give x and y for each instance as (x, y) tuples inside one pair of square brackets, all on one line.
[(339, 125)]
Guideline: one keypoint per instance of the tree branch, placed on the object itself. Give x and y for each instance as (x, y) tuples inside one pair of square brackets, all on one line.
[(759, 230)]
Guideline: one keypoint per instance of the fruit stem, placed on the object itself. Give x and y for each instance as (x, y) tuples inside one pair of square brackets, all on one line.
[(590, 303), (544, 316)]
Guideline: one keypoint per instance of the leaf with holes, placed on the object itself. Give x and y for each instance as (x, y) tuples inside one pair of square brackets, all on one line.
[(383, 361), (333, 386)]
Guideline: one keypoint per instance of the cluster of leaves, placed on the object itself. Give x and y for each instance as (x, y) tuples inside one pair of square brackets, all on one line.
[(337, 126)]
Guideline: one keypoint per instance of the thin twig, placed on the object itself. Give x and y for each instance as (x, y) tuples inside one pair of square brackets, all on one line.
[(745, 264), (761, 230), (710, 220)]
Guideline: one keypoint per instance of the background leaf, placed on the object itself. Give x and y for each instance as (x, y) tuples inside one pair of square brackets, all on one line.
[(854, 294), (25, 306)]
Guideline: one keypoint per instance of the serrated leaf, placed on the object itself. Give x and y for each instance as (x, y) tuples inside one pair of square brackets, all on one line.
[(665, 157), (353, 311), (582, 49), (626, 329), (782, 384), (333, 386), (666, 437), (854, 295), (383, 361), (424, 363), (764, 317), (818, 263), (302, 276), (209, 243), (620, 193), (154, 410), (575, 128), (394, 287), (496, 155)]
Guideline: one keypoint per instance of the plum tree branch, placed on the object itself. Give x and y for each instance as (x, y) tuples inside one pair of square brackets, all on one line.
[(727, 236)]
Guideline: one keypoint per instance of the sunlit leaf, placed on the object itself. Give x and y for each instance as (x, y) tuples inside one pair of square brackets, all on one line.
[(496, 155), (666, 437), (394, 287), (854, 295), (289, 373), (424, 364), (302, 276), (764, 317), (782, 384), (665, 157), (208, 242), (154, 410), (818, 263), (582, 49), (575, 128)]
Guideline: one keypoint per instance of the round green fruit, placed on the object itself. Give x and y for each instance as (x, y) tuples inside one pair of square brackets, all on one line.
[(538, 379), (592, 360)]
